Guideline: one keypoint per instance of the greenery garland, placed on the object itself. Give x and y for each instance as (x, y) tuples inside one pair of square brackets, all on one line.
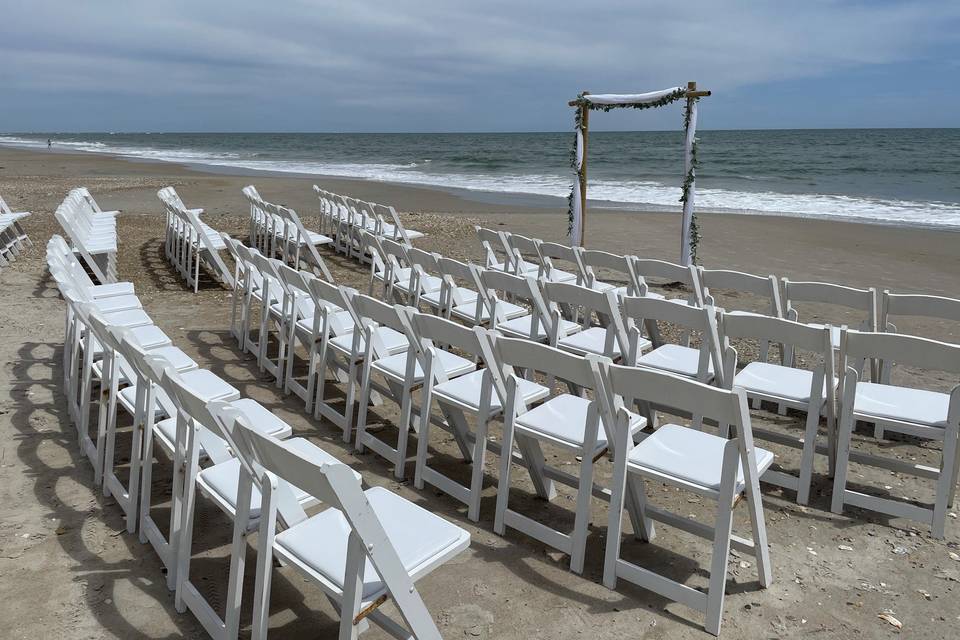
[(663, 101), (688, 181)]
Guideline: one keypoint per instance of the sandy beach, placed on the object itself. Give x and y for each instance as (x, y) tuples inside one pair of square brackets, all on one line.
[(71, 570)]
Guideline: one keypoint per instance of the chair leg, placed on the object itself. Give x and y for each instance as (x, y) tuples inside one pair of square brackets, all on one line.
[(506, 464), (721, 541), (953, 482), (268, 528), (423, 437), (364, 403), (477, 468), (406, 408), (809, 448), (845, 433), (946, 483), (581, 523)]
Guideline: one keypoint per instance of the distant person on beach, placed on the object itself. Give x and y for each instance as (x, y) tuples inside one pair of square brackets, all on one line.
[(49, 144)]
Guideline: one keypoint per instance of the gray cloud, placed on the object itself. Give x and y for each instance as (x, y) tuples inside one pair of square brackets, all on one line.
[(427, 64)]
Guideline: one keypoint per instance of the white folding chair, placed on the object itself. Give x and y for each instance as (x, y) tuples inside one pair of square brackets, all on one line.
[(528, 259), (853, 300), (453, 274), (366, 547), (812, 390), (494, 244), (540, 323), (905, 307), (715, 468), (601, 330), (117, 370), (402, 372), (220, 483), (470, 394), (147, 401), (343, 349), (572, 423), (921, 413)]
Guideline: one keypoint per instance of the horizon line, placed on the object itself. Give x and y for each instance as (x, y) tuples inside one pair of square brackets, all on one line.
[(519, 132)]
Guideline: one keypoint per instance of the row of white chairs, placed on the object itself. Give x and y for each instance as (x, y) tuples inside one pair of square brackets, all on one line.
[(587, 320), (901, 409), (479, 375), (366, 546), (92, 233), (191, 242), (343, 218), (277, 231), (13, 239)]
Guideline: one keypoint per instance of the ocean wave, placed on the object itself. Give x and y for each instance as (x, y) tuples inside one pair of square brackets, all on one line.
[(618, 194)]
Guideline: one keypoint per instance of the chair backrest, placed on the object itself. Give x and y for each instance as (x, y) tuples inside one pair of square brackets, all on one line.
[(864, 300), (919, 306), (624, 385), (669, 273), (521, 287), (327, 297), (715, 281), (494, 244), (924, 353), (337, 486), (373, 311), (550, 251)]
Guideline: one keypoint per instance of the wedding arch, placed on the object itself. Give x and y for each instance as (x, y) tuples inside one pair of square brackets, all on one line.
[(587, 102)]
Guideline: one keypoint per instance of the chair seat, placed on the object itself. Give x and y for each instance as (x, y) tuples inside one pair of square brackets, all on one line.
[(419, 537), (111, 289), (917, 406), (180, 360), (117, 303), (393, 341), (129, 318), (603, 287), (395, 366), (318, 239), (521, 327), (223, 480), (778, 381), (468, 310), (556, 275), (563, 418), (592, 340), (464, 392), (340, 322), (149, 336), (689, 456), (675, 359), (466, 296), (263, 419)]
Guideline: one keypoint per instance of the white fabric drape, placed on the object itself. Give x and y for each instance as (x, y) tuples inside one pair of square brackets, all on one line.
[(576, 233), (685, 256), (631, 98)]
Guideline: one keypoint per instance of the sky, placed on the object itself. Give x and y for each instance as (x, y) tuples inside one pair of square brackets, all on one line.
[(480, 65)]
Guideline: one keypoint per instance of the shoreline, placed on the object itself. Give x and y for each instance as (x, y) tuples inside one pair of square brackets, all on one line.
[(508, 199)]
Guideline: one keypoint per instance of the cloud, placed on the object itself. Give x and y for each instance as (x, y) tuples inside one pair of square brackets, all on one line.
[(434, 63)]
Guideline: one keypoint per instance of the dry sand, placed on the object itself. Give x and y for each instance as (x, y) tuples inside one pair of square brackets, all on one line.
[(67, 568)]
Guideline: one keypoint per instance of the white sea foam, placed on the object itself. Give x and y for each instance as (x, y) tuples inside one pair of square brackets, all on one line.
[(612, 193)]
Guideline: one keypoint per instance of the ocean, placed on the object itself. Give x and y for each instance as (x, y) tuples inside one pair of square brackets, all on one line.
[(892, 176)]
